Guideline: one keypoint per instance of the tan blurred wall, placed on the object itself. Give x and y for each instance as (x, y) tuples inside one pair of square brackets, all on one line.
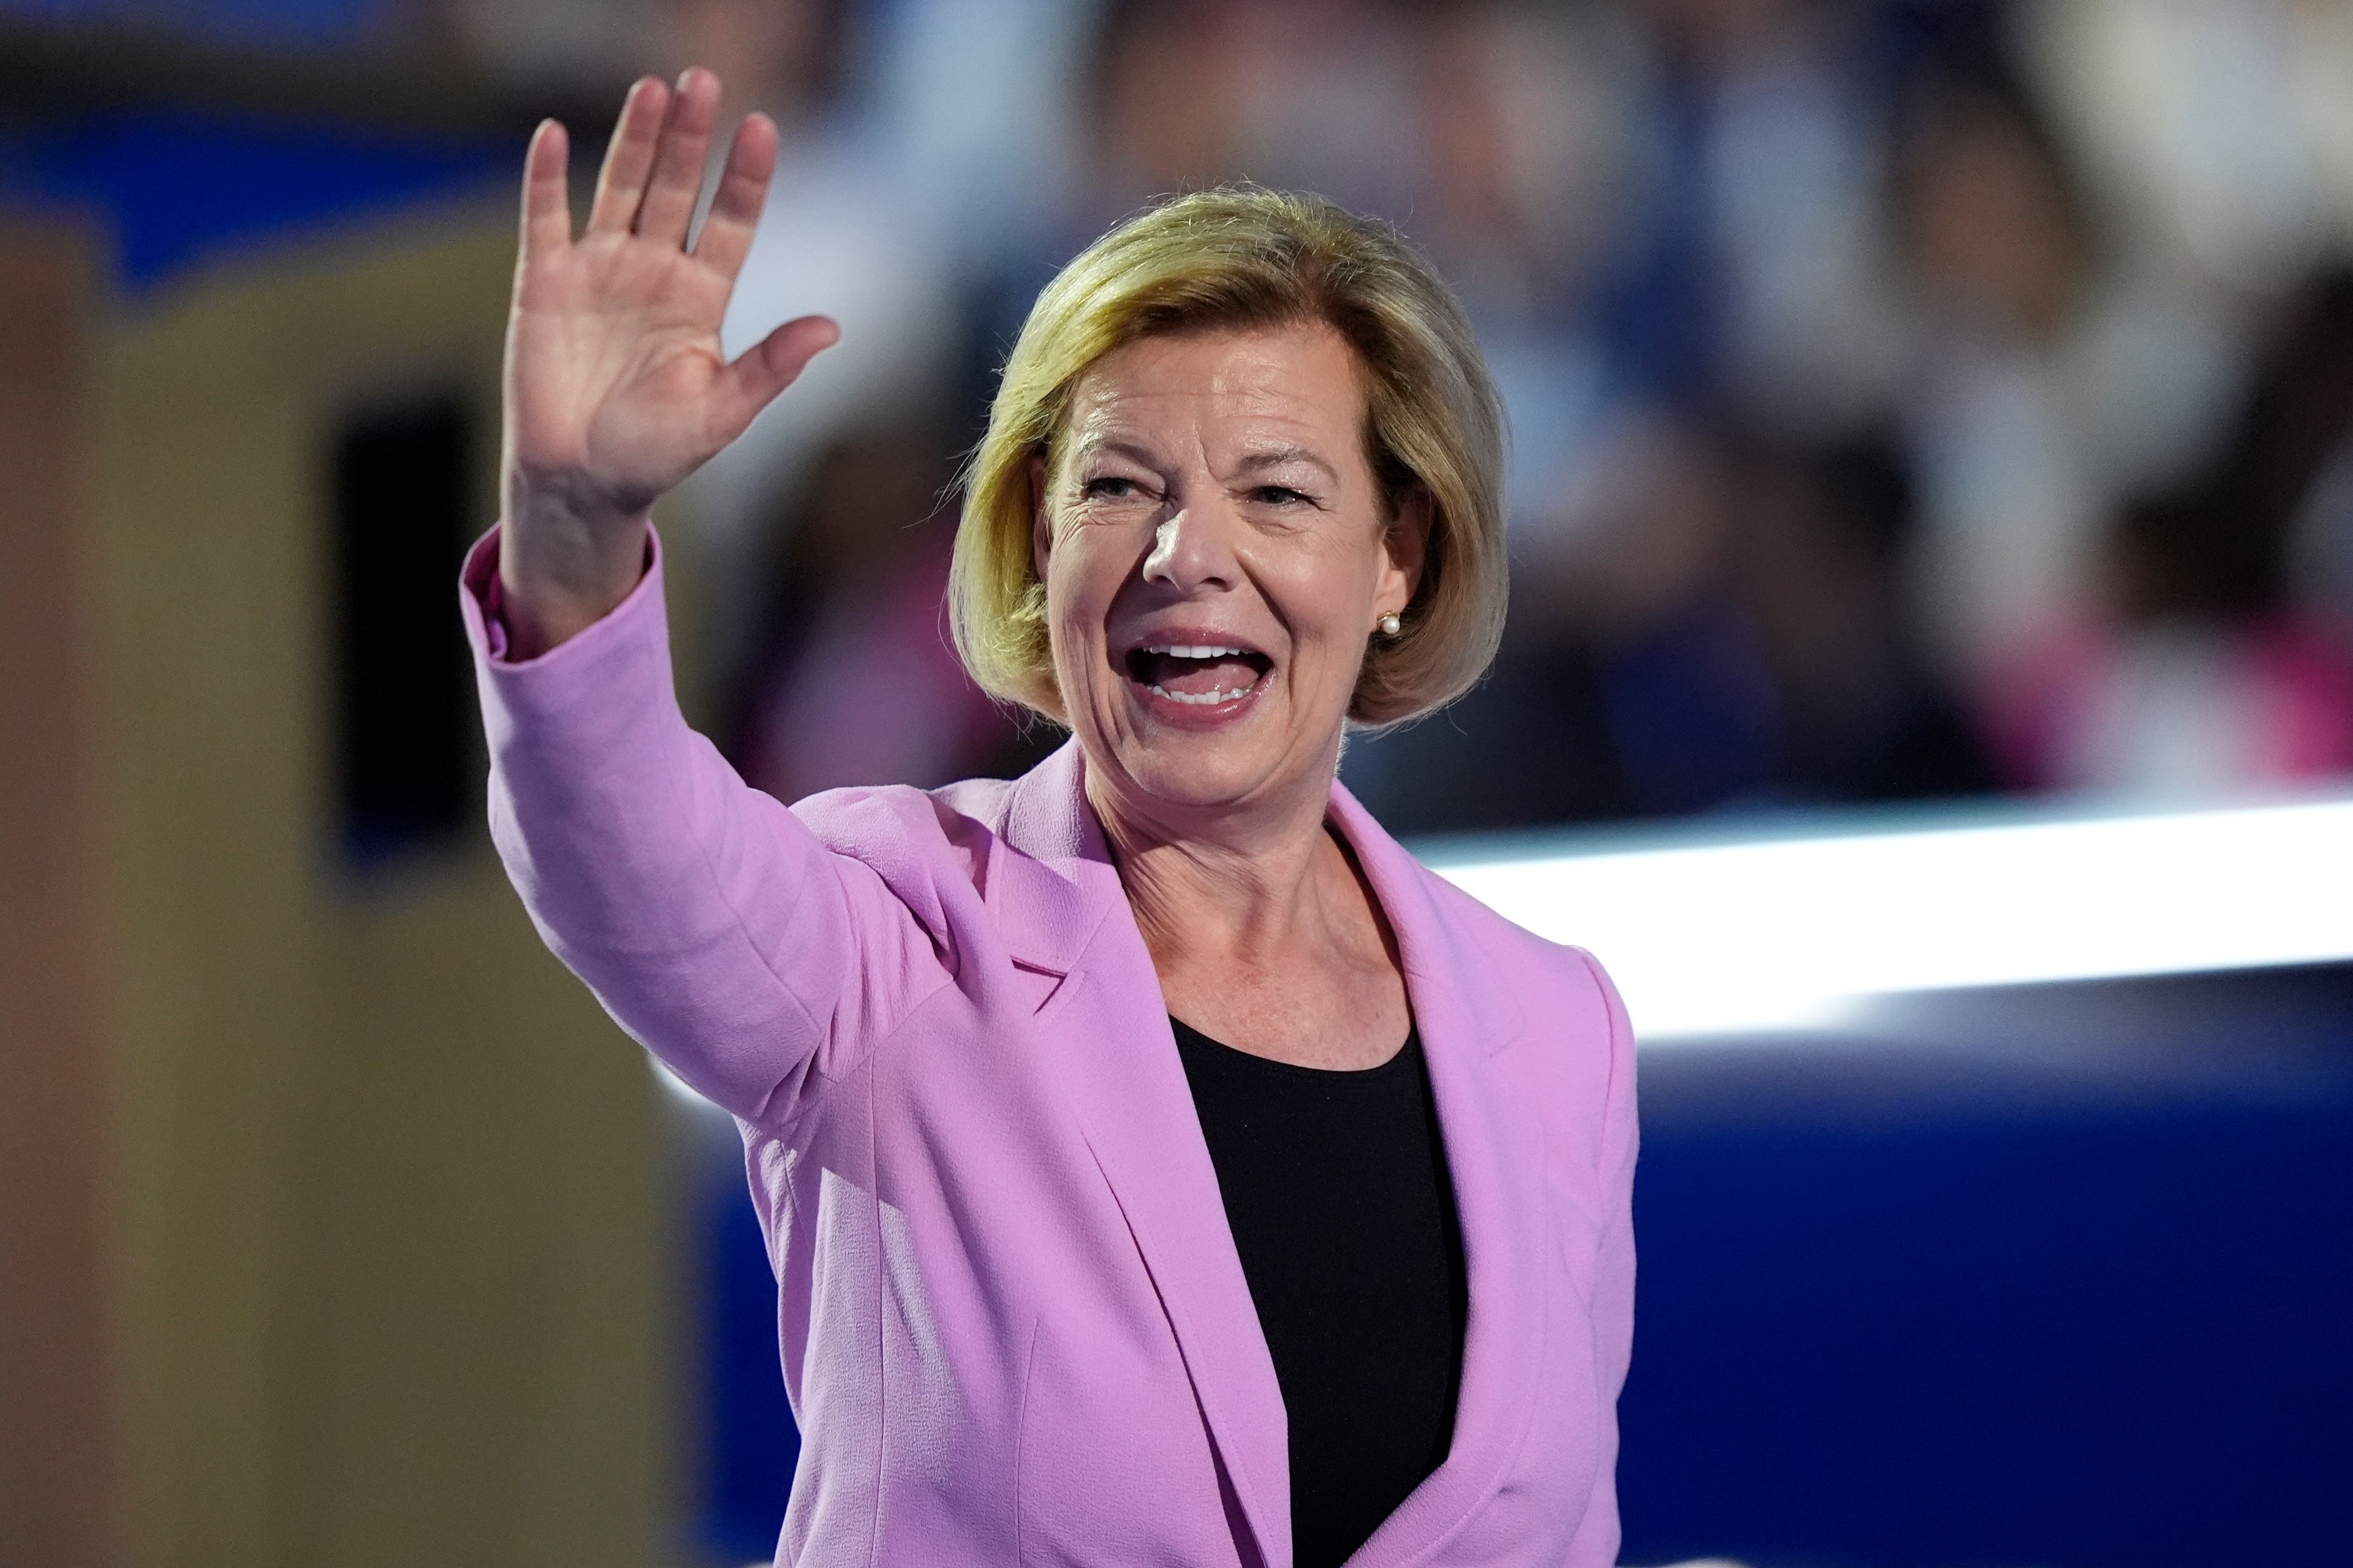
[(345, 1246), (57, 1453)]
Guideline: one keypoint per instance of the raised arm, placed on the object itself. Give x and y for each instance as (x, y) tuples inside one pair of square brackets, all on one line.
[(616, 387), (711, 922)]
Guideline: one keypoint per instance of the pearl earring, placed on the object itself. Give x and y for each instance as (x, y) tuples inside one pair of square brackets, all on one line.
[(1390, 626)]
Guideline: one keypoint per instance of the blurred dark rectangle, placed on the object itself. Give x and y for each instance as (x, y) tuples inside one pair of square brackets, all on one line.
[(70, 59), (404, 720)]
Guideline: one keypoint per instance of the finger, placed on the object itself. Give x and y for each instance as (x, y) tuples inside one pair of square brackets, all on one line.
[(679, 161), (734, 214), (629, 157), (546, 200), (769, 366)]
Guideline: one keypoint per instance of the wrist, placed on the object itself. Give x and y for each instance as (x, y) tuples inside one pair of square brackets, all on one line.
[(557, 582)]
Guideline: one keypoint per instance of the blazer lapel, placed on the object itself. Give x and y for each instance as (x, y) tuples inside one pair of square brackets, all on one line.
[(1058, 897), (1493, 1146)]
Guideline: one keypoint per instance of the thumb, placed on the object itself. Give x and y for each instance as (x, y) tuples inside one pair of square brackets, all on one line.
[(769, 366)]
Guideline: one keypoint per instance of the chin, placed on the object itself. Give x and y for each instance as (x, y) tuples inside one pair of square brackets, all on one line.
[(1202, 756), (1183, 772)]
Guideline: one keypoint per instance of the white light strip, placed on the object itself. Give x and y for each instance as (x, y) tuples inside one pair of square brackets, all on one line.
[(1730, 937)]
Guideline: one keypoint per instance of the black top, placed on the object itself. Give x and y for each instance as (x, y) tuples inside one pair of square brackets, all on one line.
[(1337, 1191)]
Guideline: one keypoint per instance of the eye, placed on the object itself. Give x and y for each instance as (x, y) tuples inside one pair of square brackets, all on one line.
[(1282, 495)]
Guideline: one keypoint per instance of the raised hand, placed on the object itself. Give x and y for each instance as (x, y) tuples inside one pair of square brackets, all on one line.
[(616, 385)]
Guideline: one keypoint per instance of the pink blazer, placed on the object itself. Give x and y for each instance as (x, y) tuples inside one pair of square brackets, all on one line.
[(1014, 1325)]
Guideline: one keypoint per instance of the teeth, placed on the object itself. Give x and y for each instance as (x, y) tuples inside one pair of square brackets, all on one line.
[(1202, 698), (1203, 650)]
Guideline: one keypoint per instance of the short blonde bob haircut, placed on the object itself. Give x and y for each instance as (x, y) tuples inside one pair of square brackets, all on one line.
[(1238, 259)]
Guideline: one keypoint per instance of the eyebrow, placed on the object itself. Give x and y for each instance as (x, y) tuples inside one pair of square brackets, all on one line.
[(1095, 446), (1273, 458), (1276, 459)]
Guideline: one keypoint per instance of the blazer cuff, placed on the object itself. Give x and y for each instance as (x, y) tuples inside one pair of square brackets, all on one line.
[(597, 690), (481, 604)]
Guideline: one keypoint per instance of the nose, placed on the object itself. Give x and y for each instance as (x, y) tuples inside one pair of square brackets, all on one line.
[(1191, 551)]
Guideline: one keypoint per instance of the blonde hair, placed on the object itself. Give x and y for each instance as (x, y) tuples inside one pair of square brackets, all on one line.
[(1245, 259)]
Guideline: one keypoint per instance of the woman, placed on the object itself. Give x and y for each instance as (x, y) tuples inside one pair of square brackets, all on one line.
[(1159, 1166)]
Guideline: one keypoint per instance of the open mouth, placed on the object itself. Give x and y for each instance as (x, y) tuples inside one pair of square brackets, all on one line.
[(1198, 674)]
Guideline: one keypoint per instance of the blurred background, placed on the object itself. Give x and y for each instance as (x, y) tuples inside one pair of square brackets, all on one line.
[(1927, 414)]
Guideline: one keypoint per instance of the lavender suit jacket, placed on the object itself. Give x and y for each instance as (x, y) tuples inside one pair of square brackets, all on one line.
[(1015, 1328)]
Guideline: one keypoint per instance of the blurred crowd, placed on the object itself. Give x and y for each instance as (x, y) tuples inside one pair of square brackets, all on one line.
[(1910, 398)]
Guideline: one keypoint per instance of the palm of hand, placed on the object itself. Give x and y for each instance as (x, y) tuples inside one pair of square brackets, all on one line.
[(613, 360), (617, 388)]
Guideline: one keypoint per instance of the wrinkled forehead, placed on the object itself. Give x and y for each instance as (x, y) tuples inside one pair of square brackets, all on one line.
[(1221, 394)]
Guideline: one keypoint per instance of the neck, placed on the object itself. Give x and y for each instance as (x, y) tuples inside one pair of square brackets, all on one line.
[(1244, 882)]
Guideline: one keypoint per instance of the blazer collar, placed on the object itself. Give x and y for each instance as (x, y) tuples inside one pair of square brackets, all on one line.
[(1060, 900), (1052, 881)]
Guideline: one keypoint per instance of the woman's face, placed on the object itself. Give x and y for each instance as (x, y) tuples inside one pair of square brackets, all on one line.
[(1217, 556)]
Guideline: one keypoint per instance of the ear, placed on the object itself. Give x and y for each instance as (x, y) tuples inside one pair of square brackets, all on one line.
[(1405, 546), (1042, 523)]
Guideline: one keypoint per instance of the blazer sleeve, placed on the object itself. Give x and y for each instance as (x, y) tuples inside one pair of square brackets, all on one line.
[(1597, 1542), (710, 921)]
